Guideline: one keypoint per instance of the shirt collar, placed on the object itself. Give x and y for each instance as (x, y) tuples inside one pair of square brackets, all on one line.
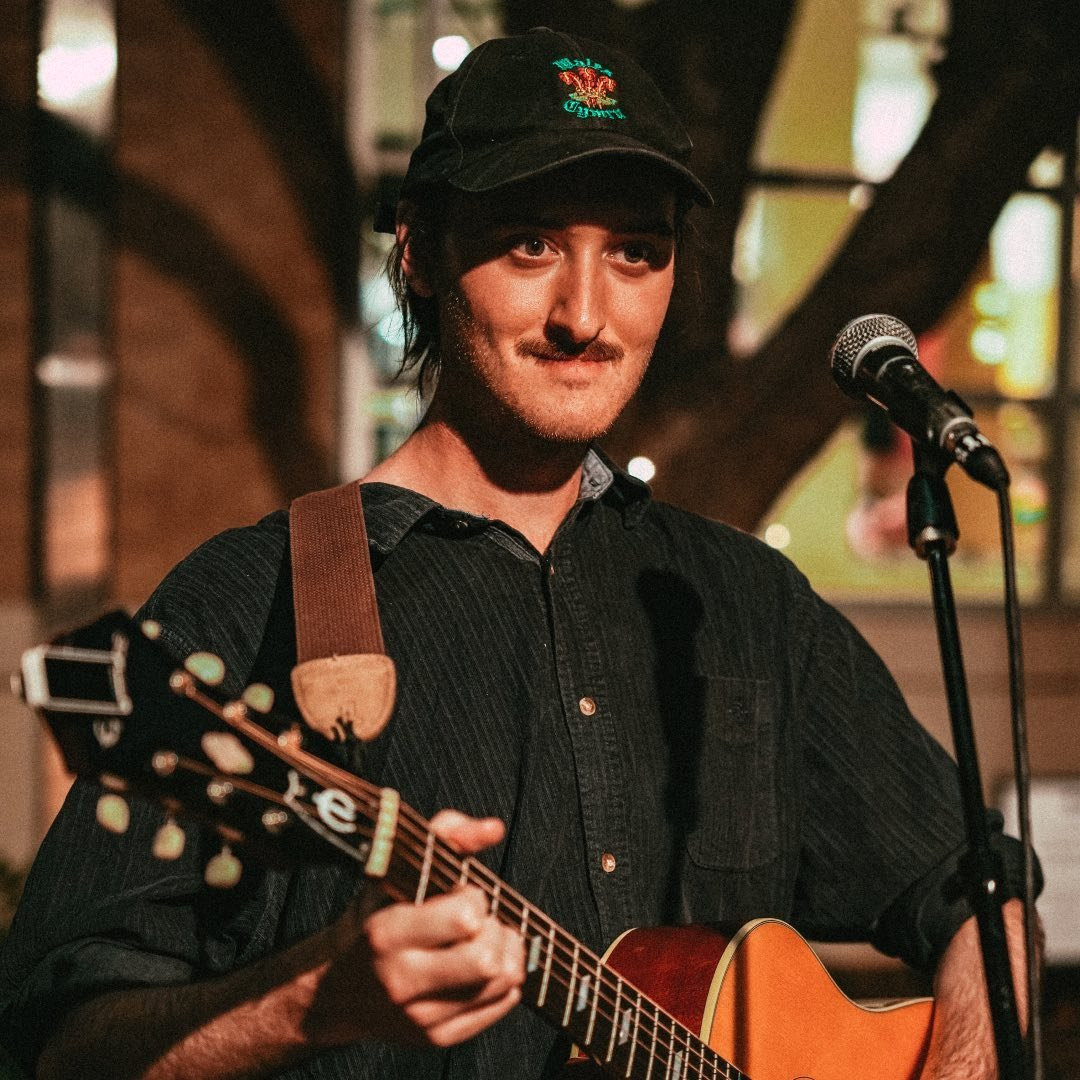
[(390, 511)]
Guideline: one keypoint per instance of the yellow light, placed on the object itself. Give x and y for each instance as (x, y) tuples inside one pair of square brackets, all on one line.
[(778, 536)]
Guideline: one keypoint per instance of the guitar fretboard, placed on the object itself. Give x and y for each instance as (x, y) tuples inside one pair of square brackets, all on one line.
[(627, 1033)]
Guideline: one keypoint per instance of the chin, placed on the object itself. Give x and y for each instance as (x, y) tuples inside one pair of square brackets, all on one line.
[(567, 430)]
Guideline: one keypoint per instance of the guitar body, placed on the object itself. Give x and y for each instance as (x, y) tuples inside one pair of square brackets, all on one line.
[(763, 1000)]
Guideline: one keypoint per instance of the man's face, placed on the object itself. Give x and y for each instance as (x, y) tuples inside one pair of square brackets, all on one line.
[(551, 297)]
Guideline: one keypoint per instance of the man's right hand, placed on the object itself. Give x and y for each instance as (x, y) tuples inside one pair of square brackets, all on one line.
[(438, 972)]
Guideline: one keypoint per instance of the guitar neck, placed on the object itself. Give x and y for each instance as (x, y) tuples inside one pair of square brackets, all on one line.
[(627, 1033)]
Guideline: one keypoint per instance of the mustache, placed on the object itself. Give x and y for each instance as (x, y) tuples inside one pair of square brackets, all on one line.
[(542, 349)]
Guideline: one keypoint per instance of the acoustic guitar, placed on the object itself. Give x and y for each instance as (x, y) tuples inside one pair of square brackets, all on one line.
[(668, 1003)]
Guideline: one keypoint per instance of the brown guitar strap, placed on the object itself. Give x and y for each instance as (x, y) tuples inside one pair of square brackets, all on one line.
[(343, 679)]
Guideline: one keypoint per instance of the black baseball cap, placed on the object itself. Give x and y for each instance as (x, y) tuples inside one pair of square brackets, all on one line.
[(521, 106)]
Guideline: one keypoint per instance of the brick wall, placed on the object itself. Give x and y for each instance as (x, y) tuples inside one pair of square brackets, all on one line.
[(16, 86), (218, 289)]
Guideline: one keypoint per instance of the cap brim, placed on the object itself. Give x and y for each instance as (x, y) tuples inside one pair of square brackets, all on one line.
[(500, 165)]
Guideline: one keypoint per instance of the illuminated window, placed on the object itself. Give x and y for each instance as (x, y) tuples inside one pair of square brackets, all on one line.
[(843, 519), (400, 49)]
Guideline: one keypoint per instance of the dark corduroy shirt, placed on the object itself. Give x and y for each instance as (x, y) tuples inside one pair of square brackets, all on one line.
[(674, 726)]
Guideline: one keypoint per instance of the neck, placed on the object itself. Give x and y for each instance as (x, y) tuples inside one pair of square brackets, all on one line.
[(526, 482)]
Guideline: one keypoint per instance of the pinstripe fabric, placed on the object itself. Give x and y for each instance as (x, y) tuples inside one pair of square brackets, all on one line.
[(748, 755)]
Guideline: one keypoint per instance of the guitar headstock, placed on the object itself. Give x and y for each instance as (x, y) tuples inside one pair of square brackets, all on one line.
[(126, 714)]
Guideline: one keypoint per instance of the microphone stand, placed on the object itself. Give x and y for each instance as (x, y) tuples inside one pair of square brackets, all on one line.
[(932, 533)]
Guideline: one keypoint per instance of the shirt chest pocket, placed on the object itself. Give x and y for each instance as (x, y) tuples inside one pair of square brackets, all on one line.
[(736, 826)]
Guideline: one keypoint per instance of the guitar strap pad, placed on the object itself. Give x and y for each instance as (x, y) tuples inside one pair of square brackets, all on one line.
[(343, 680)]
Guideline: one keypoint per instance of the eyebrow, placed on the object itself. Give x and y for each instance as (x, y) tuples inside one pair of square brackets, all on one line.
[(647, 226)]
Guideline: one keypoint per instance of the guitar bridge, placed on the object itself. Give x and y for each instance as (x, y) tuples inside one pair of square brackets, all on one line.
[(70, 679)]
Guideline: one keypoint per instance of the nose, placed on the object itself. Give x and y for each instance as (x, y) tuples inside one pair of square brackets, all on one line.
[(577, 313)]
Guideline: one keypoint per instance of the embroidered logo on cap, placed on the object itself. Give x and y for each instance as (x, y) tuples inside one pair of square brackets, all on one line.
[(592, 89)]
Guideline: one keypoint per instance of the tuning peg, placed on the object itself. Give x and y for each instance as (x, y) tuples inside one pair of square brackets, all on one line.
[(113, 813), (168, 841), (206, 667), (227, 752), (258, 697), (223, 870)]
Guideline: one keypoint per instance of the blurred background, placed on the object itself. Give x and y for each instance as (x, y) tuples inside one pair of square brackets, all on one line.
[(195, 326)]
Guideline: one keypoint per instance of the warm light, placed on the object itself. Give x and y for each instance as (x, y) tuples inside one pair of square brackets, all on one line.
[(642, 468), (777, 536), (449, 51), (67, 74), (861, 197)]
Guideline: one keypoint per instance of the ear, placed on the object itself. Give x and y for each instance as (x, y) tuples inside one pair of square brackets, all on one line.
[(411, 266)]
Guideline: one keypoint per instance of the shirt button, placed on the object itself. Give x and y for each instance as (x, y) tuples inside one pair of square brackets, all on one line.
[(607, 861), (586, 706)]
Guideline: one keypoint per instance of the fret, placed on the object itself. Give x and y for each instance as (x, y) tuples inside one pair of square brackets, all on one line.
[(570, 986), (652, 1045), (425, 869), (495, 894), (669, 1052), (614, 1019), (463, 877), (634, 1038), (705, 1061), (547, 967), (598, 986), (523, 930)]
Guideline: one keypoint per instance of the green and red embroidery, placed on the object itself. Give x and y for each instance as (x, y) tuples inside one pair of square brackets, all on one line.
[(593, 87)]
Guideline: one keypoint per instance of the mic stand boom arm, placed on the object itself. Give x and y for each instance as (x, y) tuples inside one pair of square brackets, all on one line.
[(932, 533)]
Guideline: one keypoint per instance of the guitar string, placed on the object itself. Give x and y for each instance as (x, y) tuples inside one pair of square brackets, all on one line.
[(675, 1032), (446, 869), (666, 1025), (236, 716)]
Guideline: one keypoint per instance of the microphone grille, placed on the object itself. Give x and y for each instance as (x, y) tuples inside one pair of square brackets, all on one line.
[(853, 339)]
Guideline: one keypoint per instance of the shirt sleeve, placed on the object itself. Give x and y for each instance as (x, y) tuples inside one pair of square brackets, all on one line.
[(882, 824)]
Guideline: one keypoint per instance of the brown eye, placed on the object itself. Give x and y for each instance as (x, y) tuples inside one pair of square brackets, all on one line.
[(637, 253), (532, 246)]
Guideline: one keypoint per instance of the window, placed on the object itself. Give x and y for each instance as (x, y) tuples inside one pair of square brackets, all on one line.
[(819, 154)]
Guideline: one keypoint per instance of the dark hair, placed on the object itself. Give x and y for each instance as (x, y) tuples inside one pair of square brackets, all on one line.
[(425, 218)]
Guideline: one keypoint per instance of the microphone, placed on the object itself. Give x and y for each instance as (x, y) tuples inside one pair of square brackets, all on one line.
[(875, 356)]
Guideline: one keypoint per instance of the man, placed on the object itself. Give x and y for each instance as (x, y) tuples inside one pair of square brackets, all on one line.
[(637, 716)]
